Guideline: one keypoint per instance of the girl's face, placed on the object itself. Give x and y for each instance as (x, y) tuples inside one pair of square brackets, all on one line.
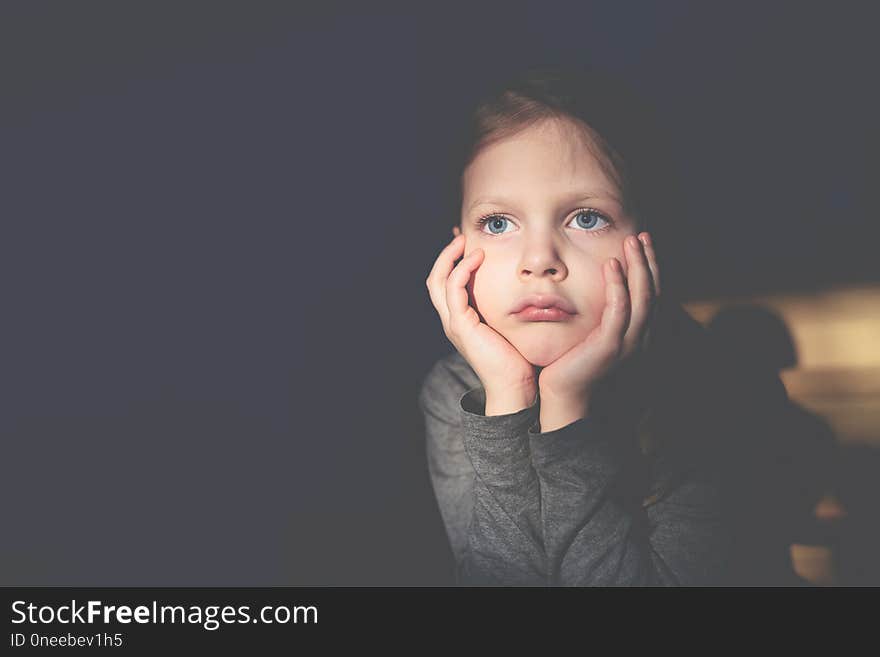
[(552, 219)]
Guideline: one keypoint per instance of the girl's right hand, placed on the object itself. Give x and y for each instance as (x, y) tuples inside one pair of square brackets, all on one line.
[(507, 377)]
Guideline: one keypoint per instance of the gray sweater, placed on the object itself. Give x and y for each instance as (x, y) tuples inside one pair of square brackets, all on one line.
[(523, 507)]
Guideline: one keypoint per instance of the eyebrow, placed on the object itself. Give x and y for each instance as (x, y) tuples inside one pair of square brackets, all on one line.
[(578, 196)]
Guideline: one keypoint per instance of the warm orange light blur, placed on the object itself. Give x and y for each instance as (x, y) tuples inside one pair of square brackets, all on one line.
[(837, 336)]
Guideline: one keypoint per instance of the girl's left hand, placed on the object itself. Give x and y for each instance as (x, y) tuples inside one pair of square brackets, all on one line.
[(623, 329)]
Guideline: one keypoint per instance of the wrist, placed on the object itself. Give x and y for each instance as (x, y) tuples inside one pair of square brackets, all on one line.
[(509, 400), (559, 411)]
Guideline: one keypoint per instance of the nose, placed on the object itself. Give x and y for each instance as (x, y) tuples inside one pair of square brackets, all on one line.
[(541, 258)]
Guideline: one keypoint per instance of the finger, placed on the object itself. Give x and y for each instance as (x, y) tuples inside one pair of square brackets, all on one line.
[(445, 260), (436, 281), (456, 290), (641, 290), (652, 261), (615, 316), (651, 256), (456, 231)]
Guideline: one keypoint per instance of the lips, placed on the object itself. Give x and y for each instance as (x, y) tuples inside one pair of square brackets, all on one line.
[(532, 302), (551, 314)]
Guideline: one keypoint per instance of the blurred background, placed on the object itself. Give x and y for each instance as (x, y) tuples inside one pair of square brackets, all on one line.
[(218, 219)]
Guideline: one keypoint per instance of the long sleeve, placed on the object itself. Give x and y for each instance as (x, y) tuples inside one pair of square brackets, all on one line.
[(504, 542), (486, 488), (592, 538)]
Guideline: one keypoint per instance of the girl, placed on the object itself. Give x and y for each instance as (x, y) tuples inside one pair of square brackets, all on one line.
[(575, 437)]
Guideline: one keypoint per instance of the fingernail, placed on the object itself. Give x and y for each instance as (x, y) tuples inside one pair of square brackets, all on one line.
[(646, 240)]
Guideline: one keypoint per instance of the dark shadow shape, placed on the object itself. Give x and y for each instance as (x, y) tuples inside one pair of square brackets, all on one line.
[(781, 462)]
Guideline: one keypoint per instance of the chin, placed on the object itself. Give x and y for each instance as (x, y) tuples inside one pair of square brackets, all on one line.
[(543, 347), (541, 355)]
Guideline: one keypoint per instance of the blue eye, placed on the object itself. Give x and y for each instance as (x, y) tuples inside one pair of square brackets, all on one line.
[(594, 217), (494, 221)]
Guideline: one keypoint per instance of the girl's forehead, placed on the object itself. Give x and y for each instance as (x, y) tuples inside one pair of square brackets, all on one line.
[(541, 155)]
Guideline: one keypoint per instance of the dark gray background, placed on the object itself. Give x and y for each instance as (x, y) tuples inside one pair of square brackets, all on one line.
[(218, 220)]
